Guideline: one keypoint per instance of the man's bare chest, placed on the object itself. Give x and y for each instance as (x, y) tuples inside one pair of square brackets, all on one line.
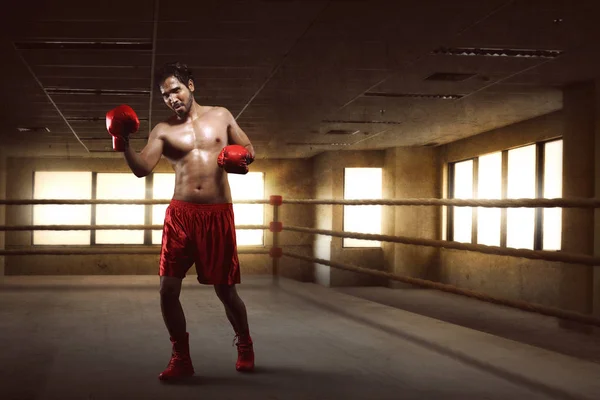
[(207, 135)]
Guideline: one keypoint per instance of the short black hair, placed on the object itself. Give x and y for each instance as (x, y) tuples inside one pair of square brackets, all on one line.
[(176, 69)]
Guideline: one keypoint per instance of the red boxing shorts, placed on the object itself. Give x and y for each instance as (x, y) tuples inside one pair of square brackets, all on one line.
[(203, 234)]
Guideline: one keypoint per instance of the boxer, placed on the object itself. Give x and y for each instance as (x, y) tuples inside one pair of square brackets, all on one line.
[(203, 144)]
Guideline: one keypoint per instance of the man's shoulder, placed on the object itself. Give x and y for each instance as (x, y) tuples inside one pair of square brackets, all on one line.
[(220, 111), (168, 122), (162, 127)]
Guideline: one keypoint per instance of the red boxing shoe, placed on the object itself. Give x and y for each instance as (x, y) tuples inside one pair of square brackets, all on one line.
[(245, 361), (180, 365)]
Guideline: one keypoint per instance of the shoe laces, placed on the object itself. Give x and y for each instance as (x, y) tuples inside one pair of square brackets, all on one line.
[(243, 346), (172, 363), (177, 358)]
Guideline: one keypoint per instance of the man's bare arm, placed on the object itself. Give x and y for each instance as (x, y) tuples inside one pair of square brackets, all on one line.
[(143, 164), (237, 136)]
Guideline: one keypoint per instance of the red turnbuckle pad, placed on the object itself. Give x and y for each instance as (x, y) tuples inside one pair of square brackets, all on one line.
[(276, 226), (276, 252), (275, 200)]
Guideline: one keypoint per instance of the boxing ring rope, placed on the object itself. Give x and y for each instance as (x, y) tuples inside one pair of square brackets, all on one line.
[(504, 203), (23, 202), (100, 227), (276, 252), (86, 251), (100, 251), (522, 305), (480, 248)]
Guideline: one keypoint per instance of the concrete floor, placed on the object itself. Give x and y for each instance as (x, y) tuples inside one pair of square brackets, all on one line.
[(102, 337), (581, 341)]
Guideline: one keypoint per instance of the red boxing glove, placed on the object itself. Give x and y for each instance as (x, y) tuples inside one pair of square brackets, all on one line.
[(121, 122), (235, 159)]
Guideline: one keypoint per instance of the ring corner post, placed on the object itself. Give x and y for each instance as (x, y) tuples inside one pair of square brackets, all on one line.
[(275, 227)]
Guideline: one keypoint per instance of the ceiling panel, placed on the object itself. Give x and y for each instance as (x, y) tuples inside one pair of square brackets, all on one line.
[(294, 70), (535, 24), (130, 30)]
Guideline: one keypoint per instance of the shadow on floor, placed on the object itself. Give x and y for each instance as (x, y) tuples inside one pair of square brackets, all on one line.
[(459, 356), (582, 342)]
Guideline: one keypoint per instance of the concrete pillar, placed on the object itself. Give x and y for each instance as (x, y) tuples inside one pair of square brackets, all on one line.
[(578, 181), (389, 213), (596, 288), (417, 176), (2, 207), (323, 178)]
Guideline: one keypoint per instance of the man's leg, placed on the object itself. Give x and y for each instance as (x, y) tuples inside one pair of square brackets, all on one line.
[(180, 364), (235, 310), (170, 306)]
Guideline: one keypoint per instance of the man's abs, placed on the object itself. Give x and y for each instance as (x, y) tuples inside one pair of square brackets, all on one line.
[(199, 179)]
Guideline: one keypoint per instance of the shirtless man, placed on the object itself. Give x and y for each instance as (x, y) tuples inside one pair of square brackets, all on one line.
[(203, 144)]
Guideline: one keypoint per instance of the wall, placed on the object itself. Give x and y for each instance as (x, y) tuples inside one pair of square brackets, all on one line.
[(289, 178), (329, 181), (292, 179), (408, 173), (507, 277)]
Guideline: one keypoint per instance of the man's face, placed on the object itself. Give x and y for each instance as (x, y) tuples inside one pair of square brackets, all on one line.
[(177, 96)]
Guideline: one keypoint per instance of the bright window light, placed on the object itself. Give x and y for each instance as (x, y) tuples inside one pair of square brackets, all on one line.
[(520, 222), (120, 186), (463, 189), (362, 183), (552, 189), (250, 186), (163, 187), (489, 186), (62, 185)]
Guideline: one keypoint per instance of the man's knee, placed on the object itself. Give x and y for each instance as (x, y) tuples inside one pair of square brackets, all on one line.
[(170, 287), (226, 293)]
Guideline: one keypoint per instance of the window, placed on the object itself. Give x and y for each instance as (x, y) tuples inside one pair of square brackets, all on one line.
[(531, 171), (463, 189), (489, 187), (250, 186), (124, 186), (552, 222), (51, 185), (520, 222), (362, 183), (163, 187), (120, 186)]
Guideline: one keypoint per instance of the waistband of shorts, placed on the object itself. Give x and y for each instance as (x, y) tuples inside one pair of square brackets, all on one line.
[(200, 206)]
